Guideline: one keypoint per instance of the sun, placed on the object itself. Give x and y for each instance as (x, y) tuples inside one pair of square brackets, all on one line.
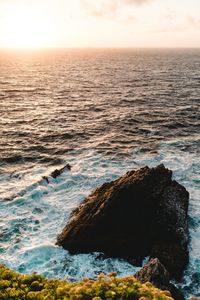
[(27, 27)]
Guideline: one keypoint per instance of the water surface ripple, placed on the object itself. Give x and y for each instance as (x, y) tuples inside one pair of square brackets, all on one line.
[(105, 112)]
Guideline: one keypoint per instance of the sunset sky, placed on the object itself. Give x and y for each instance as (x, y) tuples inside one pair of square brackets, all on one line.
[(99, 23)]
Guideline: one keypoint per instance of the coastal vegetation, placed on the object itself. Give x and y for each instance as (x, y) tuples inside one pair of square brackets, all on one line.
[(36, 287)]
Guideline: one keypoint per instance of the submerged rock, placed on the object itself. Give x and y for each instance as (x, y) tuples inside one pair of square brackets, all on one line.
[(156, 273), (142, 213)]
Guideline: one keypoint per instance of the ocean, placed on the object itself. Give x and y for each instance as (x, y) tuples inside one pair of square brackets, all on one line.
[(103, 111)]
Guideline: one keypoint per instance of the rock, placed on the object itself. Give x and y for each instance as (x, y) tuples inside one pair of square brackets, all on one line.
[(58, 172), (141, 213), (156, 273), (174, 256), (171, 221)]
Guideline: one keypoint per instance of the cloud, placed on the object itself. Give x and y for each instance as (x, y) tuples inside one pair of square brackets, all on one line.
[(195, 22), (111, 9), (171, 22), (101, 8), (137, 2)]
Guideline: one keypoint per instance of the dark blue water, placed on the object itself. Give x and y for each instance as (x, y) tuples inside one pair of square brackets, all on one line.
[(104, 112)]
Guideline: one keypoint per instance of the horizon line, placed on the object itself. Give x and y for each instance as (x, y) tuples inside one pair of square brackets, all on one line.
[(96, 47)]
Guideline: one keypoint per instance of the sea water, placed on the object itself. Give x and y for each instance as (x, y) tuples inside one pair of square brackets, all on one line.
[(104, 112)]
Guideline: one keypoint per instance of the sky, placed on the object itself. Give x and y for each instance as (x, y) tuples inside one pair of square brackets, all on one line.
[(99, 23)]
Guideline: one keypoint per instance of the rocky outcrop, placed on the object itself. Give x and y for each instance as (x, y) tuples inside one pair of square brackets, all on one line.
[(141, 213), (58, 172), (156, 273)]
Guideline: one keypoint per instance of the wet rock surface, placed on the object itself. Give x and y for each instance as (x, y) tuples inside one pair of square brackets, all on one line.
[(142, 213), (156, 273)]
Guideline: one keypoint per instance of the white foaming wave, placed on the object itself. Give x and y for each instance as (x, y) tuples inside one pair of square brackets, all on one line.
[(34, 220), (47, 209)]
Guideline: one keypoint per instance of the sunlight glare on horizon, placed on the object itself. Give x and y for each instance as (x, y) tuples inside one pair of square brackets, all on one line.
[(24, 31), (27, 26)]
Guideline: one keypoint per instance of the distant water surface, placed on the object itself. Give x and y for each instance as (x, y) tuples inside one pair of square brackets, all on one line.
[(104, 111)]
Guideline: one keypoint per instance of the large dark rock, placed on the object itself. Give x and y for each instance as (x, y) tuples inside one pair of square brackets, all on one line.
[(156, 273), (141, 213)]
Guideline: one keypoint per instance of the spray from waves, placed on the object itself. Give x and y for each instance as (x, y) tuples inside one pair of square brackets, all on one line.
[(42, 182), (30, 223)]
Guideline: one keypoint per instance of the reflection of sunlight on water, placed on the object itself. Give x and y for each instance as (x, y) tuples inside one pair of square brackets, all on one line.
[(30, 224)]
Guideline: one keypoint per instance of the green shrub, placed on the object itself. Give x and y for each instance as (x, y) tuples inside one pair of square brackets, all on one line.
[(36, 287)]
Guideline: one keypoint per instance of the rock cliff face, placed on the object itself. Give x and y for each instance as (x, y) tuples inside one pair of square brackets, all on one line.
[(143, 213)]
